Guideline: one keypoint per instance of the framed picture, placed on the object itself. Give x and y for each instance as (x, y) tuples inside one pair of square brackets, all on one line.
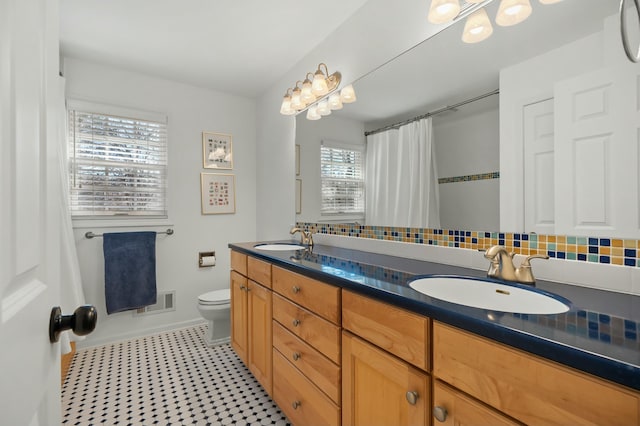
[(218, 193), (297, 160), (217, 151), (298, 196)]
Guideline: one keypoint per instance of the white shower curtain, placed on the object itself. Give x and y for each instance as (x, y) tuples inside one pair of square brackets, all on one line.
[(401, 177), (71, 292)]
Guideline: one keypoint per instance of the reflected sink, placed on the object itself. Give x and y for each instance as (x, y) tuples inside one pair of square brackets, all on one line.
[(490, 295), (279, 247)]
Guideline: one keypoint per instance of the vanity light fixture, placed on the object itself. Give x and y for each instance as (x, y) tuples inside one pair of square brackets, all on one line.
[(442, 11), (317, 94), (512, 12), (478, 26), (312, 113)]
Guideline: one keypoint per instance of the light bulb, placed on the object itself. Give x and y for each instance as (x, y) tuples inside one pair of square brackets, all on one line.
[(348, 95), (319, 85), (323, 108), (312, 113), (477, 27), (442, 11), (285, 108), (307, 96), (512, 12), (335, 102), (296, 100)]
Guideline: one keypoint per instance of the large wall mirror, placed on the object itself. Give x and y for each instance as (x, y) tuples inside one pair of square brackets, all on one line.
[(534, 129)]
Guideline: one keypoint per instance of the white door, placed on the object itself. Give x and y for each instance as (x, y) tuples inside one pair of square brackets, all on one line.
[(29, 242), (596, 147), (539, 210)]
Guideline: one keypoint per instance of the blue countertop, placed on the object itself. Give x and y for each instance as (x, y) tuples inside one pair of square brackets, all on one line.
[(600, 334)]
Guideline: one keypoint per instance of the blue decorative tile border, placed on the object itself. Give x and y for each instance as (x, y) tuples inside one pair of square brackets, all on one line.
[(615, 251), (467, 178)]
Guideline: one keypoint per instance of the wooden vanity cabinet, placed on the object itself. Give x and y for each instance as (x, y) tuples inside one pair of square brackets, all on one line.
[(525, 387), (381, 389), (306, 349), (380, 352), (251, 313)]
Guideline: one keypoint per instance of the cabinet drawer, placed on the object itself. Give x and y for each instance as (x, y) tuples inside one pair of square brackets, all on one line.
[(316, 331), (395, 330), (525, 387), (239, 262), (259, 271), (299, 399), (321, 298), (463, 410), (315, 366)]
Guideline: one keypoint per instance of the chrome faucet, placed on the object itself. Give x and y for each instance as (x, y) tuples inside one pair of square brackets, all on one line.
[(305, 236), (502, 266)]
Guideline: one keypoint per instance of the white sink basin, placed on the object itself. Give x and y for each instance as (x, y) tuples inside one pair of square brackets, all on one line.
[(492, 296), (279, 247)]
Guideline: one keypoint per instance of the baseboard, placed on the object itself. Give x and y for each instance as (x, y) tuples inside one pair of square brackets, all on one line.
[(90, 343), (66, 363)]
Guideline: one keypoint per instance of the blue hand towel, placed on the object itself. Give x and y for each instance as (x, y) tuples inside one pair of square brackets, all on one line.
[(129, 270)]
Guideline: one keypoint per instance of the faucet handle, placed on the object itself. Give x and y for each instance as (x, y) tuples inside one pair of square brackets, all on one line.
[(526, 262), (524, 273)]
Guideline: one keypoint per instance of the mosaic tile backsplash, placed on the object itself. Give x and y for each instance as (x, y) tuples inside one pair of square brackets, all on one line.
[(586, 249)]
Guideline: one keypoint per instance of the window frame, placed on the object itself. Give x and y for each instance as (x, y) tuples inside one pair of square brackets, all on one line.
[(117, 219), (343, 215)]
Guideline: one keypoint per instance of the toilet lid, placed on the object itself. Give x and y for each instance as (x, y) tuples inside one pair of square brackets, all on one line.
[(216, 297)]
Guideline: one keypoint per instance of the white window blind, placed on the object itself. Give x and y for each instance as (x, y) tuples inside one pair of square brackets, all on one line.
[(117, 165), (342, 177)]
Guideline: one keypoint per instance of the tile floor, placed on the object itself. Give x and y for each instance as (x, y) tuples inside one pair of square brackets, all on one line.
[(164, 379)]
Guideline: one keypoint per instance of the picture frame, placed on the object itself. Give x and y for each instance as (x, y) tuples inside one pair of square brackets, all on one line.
[(217, 151), (218, 193), (297, 160), (298, 196)]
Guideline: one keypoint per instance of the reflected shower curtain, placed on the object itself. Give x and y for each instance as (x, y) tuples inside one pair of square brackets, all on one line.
[(71, 292), (401, 177)]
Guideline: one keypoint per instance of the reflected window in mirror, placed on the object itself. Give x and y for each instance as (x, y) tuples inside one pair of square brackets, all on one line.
[(342, 179)]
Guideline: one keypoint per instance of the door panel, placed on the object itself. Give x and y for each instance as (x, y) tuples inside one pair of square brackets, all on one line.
[(29, 260)]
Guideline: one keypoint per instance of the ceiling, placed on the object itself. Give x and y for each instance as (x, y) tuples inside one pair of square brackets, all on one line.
[(236, 46)]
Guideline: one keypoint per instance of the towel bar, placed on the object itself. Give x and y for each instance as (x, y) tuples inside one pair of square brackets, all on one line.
[(90, 234)]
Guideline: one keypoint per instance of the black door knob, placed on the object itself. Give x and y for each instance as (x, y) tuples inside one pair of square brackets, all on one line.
[(82, 321)]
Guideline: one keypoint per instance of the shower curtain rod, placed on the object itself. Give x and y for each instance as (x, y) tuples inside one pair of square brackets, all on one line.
[(432, 113)]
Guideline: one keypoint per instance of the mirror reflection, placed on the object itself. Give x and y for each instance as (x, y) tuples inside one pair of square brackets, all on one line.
[(515, 161)]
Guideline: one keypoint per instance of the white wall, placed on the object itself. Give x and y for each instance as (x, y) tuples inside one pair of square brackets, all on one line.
[(468, 144), (309, 135), (190, 111)]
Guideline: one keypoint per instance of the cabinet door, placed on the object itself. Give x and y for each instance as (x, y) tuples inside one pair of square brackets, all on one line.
[(259, 333), (239, 315), (377, 387), (457, 409)]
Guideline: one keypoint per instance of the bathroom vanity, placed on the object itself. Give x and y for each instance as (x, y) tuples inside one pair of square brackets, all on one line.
[(337, 336)]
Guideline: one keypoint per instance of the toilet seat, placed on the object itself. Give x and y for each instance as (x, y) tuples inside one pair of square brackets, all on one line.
[(216, 297)]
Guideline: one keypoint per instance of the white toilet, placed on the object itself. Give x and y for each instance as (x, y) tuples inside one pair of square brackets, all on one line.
[(215, 307)]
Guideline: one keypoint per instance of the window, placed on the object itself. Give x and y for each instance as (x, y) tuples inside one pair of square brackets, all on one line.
[(342, 177), (117, 162)]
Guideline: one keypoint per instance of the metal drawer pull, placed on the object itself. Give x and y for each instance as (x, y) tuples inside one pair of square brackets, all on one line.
[(295, 289), (296, 356), (440, 413), (295, 405), (242, 287), (412, 397), (296, 322)]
